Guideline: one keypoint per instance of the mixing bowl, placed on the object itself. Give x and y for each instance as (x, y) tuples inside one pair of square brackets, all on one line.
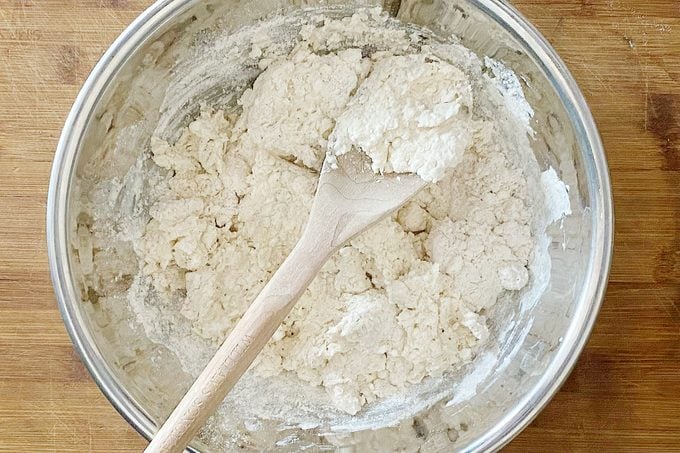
[(125, 101)]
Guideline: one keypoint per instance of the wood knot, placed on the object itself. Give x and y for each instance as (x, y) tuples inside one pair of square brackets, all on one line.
[(77, 371), (667, 267), (115, 3), (587, 8), (68, 64), (663, 122)]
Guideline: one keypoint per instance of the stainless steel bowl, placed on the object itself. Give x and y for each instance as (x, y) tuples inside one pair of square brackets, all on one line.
[(547, 338)]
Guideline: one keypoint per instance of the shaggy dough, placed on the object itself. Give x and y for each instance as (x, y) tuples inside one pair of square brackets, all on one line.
[(399, 303), (412, 115)]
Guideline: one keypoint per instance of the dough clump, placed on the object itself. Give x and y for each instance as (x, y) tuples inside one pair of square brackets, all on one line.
[(399, 303), (404, 301)]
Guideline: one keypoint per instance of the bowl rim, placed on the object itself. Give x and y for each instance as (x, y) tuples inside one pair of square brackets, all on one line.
[(591, 148)]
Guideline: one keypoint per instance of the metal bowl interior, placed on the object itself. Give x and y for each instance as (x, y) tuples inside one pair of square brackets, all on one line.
[(548, 337)]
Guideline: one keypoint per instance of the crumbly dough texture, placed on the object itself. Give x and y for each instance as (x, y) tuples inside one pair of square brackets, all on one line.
[(399, 303), (411, 115)]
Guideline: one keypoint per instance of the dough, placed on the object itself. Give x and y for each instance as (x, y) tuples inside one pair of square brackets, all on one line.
[(228, 199), (399, 303), (411, 115)]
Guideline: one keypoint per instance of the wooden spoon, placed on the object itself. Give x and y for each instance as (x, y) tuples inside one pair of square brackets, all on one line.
[(350, 197)]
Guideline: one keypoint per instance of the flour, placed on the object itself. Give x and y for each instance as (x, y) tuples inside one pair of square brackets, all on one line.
[(398, 307), (412, 115), (292, 106)]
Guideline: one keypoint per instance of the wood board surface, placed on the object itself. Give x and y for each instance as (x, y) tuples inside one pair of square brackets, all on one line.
[(624, 394)]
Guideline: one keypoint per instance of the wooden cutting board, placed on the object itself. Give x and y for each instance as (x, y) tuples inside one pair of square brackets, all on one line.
[(624, 394)]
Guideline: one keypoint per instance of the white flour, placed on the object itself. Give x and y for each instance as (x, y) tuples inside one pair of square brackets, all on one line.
[(398, 307), (411, 115)]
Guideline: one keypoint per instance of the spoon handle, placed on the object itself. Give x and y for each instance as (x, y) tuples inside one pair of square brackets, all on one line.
[(243, 344)]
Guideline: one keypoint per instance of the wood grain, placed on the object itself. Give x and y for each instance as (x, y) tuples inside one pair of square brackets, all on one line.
[(624, 394)]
